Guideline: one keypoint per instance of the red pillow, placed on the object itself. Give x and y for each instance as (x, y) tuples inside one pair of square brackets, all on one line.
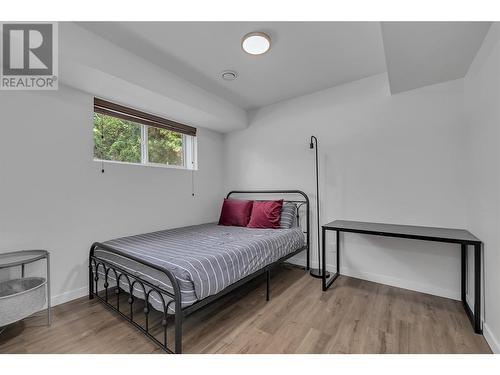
[(266, 214), (235, 212)]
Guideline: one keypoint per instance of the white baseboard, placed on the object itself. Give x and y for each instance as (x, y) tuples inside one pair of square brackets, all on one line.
[(389, 280), (400, 283), (69, 296), (66, 297), (491, 339)]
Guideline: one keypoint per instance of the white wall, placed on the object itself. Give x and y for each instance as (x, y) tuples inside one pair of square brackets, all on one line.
[(393, 159), (482, 103), (53, 195)]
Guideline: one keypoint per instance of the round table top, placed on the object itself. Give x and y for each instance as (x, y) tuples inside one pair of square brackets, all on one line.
[(17, 258)]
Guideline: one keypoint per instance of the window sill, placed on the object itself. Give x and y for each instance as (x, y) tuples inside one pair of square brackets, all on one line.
[(154, 165)]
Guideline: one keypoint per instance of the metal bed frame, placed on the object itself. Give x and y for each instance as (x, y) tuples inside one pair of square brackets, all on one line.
[(180, 313)]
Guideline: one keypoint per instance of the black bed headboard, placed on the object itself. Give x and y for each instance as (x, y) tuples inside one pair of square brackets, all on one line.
[(299, 202)]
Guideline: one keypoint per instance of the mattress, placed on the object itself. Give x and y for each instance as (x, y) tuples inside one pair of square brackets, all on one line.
[(204, 259)]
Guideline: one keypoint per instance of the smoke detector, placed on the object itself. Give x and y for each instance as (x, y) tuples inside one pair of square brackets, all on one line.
[(229, 75)]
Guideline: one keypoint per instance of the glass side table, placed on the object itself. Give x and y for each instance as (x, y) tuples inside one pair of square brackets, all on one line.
[(22, 297)]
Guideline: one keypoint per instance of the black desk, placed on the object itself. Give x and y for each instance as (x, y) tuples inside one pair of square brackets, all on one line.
[(458, 236)]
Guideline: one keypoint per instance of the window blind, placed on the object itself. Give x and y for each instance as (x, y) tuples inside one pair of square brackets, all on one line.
[(125, 113)]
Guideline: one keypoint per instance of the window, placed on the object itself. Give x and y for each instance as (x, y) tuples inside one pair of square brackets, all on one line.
[(116, 139), (126, 135), (165, 147)]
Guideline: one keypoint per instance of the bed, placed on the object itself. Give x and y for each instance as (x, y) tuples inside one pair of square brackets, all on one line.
[(178, 271)]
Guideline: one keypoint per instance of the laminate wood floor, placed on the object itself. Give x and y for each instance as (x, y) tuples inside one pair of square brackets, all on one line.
[(353, 316)]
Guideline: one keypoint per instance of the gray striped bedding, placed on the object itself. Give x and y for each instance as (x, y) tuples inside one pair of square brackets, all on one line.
[(204, 259)]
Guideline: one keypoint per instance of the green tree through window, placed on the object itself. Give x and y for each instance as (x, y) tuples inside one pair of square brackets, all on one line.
[(165, 147), (121, 140), (116, 139)]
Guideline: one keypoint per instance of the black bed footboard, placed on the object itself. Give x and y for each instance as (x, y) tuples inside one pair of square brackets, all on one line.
[(99, 267)]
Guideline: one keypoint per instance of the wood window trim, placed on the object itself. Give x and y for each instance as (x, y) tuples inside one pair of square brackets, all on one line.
[(125, 113)]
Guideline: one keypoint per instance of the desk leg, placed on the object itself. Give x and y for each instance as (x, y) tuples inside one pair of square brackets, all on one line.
[(49, 318), (323, 254), (464, 272), (477, 289), (338, 253), (332, 278), (475, 317)]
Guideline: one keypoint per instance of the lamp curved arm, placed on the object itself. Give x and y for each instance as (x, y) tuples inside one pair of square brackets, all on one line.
[(311, 144)]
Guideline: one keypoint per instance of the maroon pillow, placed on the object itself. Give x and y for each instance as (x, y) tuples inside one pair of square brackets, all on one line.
[(266, 214), (235, 212)]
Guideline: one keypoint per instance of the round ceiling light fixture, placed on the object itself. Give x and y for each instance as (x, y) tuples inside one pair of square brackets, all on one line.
[(229, 75), (256, 43)]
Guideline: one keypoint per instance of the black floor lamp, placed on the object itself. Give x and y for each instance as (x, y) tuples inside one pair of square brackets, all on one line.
[(317, 272)]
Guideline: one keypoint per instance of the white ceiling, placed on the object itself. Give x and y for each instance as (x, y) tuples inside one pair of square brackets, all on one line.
[(173, 68), (100, 68), (305, 56), (424, 53)]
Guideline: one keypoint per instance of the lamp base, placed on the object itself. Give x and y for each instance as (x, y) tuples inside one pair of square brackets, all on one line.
[(316, 272)]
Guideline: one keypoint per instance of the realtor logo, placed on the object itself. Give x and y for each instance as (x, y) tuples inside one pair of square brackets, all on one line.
[(28, 56)]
